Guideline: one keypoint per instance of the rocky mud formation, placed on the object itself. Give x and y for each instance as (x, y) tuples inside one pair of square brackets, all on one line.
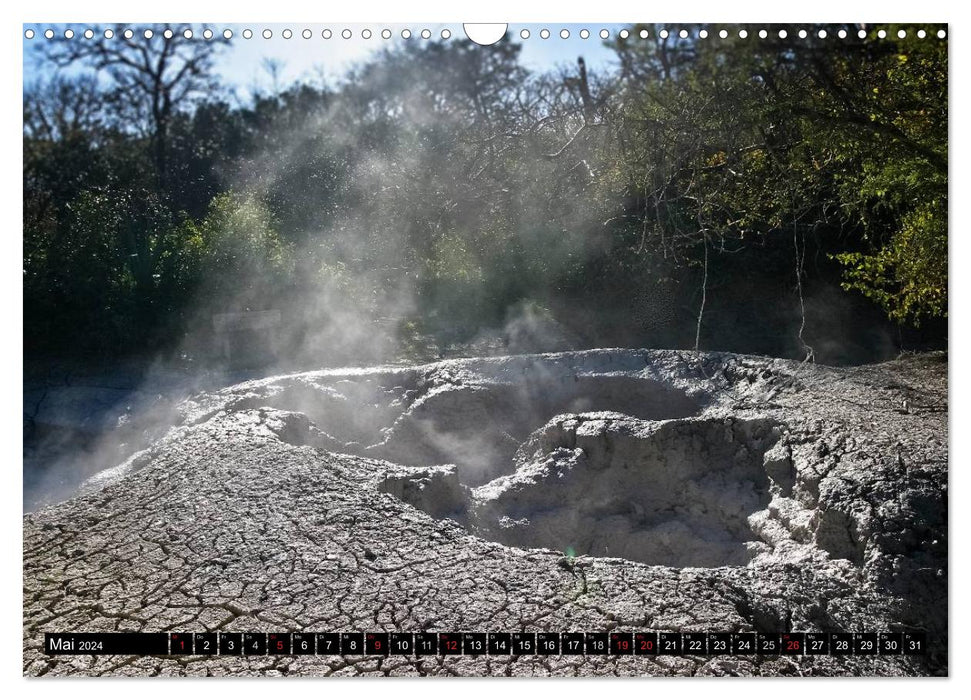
[(586, 491)]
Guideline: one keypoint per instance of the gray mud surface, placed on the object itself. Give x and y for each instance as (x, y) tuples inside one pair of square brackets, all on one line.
[(592, 491)]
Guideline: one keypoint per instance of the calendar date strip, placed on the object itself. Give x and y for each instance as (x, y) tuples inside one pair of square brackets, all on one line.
[(486, 643)]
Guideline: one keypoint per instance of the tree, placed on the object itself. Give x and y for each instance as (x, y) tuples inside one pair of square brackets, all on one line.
[(844, 142), (152, 77)]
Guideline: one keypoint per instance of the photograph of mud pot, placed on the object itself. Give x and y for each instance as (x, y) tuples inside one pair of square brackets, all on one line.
[(600, 330)]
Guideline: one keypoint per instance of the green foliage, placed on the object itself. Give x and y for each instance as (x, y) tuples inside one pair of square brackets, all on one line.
[(845, 142), (442, 186), (907, 276), (234, 250)]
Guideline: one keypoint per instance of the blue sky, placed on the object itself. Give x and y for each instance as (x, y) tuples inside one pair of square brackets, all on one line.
[(241, 65)]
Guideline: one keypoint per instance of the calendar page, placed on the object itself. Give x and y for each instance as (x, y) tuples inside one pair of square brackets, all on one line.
[(443, 349)]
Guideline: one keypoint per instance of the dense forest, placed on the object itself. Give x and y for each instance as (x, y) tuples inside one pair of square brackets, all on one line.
[(784, 196)]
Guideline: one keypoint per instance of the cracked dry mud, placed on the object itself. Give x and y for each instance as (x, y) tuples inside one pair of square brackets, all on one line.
[(586, 491)]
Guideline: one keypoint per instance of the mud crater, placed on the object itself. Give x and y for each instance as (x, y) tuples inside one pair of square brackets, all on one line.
[(479, 428), (674, 493), (602, 465)]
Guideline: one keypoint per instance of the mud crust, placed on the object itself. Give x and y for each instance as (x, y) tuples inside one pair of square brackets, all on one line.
[(598, 490)]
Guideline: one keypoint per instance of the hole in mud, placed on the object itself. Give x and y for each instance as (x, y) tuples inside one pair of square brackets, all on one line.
[(353, 411), (479, 428), (675, 493)]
